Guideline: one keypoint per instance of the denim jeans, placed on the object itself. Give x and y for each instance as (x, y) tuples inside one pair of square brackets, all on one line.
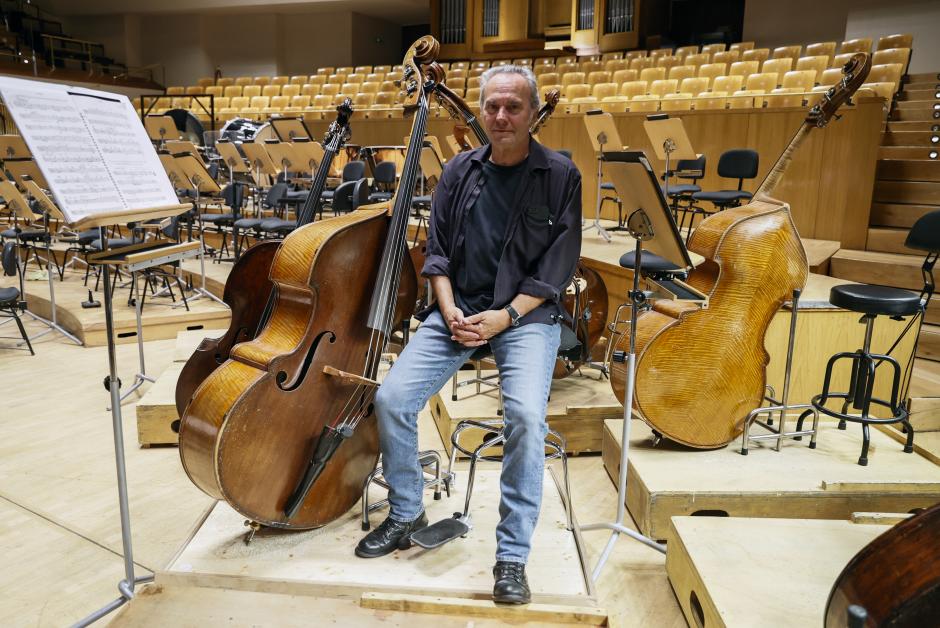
[(525, 356)]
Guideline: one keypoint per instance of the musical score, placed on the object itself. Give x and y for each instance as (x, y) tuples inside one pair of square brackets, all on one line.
[(91, 147)]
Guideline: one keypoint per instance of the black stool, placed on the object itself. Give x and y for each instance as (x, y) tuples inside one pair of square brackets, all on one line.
[(873, 301)]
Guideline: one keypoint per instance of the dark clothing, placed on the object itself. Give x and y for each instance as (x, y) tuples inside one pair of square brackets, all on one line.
[(543, 233), (484, 237)]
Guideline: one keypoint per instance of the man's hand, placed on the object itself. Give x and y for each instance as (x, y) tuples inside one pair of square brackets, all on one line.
[(486, 324), (453, 317)]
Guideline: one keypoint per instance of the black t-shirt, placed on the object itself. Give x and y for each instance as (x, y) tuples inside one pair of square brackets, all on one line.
[(484, 236)]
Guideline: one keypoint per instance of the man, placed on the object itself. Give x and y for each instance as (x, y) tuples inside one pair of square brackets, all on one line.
[(503, 244)]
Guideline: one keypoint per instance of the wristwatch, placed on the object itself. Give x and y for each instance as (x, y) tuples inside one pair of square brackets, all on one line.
[(514, 316)]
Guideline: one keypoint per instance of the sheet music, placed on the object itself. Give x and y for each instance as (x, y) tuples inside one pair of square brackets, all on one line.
[(91, 147)]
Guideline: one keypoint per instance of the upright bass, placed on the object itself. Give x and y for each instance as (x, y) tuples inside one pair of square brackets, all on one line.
[(700, 372), (284, 430)]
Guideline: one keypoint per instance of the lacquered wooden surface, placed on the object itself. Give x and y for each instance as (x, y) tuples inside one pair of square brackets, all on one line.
[(244, 437), (896, 577), (701, 371), (245, 294)]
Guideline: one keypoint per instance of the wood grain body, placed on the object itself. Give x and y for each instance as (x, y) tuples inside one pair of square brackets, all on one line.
[(246, 439), (592, 300), (896, 577), (701, 371), (246, 293)]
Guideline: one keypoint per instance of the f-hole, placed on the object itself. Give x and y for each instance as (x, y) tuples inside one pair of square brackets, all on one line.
[(697, 613), (308, 360)]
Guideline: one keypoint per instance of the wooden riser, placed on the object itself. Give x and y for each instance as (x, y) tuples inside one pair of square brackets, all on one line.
[(935, 84), (907, 152), (908, 169), (156, 410), (925, 415), (910, 138), (919, 113), (898, 214), (928, 345), (919, 125), (915, 105), (927, 95), (666, 480), (887, 240), (915, 192), (923, 77), (887, 269)]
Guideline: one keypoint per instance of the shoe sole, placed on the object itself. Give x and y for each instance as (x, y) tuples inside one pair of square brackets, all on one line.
[(403, 544), (511, 600)]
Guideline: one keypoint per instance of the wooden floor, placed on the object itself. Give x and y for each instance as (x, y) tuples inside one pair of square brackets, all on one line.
[(59, 526)]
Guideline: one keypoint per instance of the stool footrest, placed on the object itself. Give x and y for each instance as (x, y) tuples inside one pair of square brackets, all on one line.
[(442, 532)]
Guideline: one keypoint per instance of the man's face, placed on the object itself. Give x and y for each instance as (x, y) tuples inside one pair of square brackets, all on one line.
[(507, 110)]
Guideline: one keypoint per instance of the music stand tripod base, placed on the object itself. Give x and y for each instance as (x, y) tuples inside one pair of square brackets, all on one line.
[(444, 531)]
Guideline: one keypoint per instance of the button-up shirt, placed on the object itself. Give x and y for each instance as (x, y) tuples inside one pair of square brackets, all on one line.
[(543, 234)]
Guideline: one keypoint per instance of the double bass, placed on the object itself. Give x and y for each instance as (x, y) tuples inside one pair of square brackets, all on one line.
[(284, 431), (700, 372)]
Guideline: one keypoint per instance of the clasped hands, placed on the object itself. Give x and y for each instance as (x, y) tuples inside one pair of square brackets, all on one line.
[(476, 330)]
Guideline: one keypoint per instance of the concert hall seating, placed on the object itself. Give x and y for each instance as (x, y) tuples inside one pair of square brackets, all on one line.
[(689, 77)]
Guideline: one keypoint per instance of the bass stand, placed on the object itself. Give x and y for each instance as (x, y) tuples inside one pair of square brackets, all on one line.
[(113, 385), (640, 229)]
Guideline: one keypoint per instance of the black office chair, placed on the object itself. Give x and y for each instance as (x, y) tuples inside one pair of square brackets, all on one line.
[(680, 194), (10, 300), (740, 164), (276, 227), (233, 195), (872, 301), (352, 171), (384, 177)]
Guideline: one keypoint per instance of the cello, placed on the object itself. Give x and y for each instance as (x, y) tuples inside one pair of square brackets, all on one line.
[(700, 372), (283, 431), (249, 277)]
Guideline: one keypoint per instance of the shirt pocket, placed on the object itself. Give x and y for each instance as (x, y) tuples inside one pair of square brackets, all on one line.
[(538, 215)]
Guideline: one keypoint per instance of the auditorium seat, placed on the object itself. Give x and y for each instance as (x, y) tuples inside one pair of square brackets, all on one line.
[(290, 90), (895, 41), (250, 91), (660, 52), (697, 60), (744, 99), (641, 63), (205, 82), (346, 69), (244, 80), (572, 78), (310, 90), (631, 89), (681, 72), (823, 48), (382, 69), (280, 80), (271, 90), (363, 69), (609, 56), (175, 90), (644, 103), (841, 59), (742, 46), (472, 96), (330, 89), (543, 61), (299, 103), (214, 90), (363, 100), (710, 100), (262, 80), (728, 56), (576, 90), (676, 102), (622, 76), (693, 86), (662, 87), (758, 54), (667, 62), (635, 54), (473, 81), (763, 82), (830, 76), (891, 55), (384, 99), (351, 89), (886, 73), (727, 84), (355, 78), (787, 52), (713, 48), (652, 74), (598, 76), (784, 97), (591, 66), (221, 103), (816, 63), (711, 70), (614, 104), (369, 88), (298, 79), (319, 79), (374, 77), (322, 101), (615, 65), (543, 69), (862, 44), (886, 90), (777, 66), (225, 82), (337, 78), (388, 86), (744, 68), (277, 104), (526, 62), (685, 51), (456, 65), (544, 89), (325, 71)]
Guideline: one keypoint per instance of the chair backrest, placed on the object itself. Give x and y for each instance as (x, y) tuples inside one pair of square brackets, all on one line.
[(818, 63), (251, 91), (8, 258), (925, 234), (895, 41), (680, 72), (711, 70), (738, 163), (622, 76), (652, 74), (686, 165), (342, 196), (891, 55), (824, 48), (354, 170), (727, 84), (384, 172), (862, 44), (757, 54), (603, 90), (276, 194), (663, 87), (694, 86), (728, 56), (631, 89), (744, 68), (360, 193), (777, 66), (598, 76)]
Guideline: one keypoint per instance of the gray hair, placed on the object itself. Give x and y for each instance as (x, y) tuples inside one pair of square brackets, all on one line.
[(522, 71)]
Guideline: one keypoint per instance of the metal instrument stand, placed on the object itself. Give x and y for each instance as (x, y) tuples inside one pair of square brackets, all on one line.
[(640, 229), (782, 405), (602, 131), (113, 385), (596, 224)]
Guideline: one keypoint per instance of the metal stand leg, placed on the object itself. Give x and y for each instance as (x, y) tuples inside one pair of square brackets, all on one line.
[(52, 324), (141, 376), (597, 209), (113, 384)]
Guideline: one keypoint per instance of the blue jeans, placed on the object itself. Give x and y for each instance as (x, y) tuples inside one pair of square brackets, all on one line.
[(525, 356)]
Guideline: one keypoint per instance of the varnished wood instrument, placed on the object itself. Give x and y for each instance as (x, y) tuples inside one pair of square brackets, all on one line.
[(284, 430), (545, 111), (586, 301), (895, 579), (700, 372), (249, 292)]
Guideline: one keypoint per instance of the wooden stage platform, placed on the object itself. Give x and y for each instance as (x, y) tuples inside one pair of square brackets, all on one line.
[(759, 572), (797, 482)]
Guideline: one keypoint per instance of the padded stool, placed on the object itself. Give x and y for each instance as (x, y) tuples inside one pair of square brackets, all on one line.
[(871, 301)]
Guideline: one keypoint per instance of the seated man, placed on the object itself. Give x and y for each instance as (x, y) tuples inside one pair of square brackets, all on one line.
[(503, 243)]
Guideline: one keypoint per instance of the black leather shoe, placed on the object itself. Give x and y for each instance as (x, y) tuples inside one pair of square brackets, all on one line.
[(511, 585), (389, 536)]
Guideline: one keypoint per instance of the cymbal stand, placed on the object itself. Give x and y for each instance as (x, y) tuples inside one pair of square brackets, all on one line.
[(640, 228), (113, 385)]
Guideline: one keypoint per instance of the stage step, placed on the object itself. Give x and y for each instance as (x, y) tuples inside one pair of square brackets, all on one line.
[(910, 138), (908, 152), (908, 169), (934, 84), (156, 410), (914, 192), (887, 240), (918, 93), (915, 125), (923, 76), (898, 214), (919, 112), (928, 345), (887, 269)]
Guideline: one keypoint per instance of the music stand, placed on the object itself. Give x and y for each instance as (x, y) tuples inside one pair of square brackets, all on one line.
[(13, 147), (603, 133), (260, 160), (309, 153), (26, 169), (284, 154), (651, 223), (669, 140), (202, 182), (160, 127), (183, 146), (291, 129), (232, 158)]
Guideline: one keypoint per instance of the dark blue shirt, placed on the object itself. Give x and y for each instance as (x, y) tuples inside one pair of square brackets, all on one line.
[(543, 234), (485, 236)]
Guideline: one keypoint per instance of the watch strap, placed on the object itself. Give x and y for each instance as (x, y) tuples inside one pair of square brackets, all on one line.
[(514, 316)]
